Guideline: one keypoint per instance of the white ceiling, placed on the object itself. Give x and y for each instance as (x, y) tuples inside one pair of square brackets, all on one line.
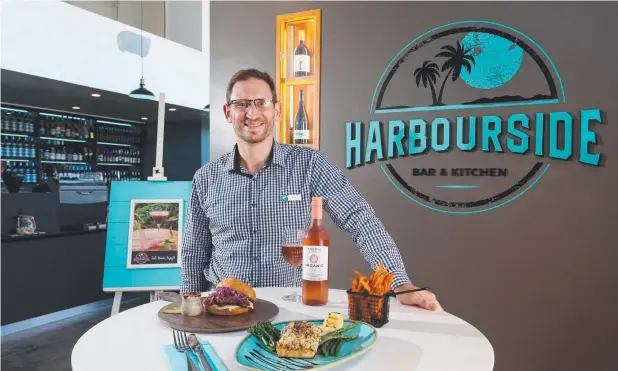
[(28, 90)]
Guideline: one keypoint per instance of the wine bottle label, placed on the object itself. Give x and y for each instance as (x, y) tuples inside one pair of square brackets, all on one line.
[(315, 263), (301, 63), (301, 134)]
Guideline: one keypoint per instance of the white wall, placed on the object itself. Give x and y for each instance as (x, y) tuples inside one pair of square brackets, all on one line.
[(206, 131), (56, 40), (206, 27), (183, 22), (129, 12)]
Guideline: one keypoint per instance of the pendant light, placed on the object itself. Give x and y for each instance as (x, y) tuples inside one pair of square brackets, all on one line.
[(142, 92)]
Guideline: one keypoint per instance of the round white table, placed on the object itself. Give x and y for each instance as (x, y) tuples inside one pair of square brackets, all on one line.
[(414, 339)]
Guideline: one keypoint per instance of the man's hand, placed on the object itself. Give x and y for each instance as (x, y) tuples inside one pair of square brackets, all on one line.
[(423, 299)]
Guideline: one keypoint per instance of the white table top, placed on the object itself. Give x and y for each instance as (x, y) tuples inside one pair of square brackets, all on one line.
[(414, 339)]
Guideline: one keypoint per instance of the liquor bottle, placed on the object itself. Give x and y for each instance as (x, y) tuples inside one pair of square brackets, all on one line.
[(301, 122), (301, 57), (18, 149), (21, 122), (316, 258)]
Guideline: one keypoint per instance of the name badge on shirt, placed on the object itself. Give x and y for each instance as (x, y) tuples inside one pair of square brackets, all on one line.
[(290, 198)]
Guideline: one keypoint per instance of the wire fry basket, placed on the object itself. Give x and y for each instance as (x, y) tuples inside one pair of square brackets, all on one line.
[(371, 309)]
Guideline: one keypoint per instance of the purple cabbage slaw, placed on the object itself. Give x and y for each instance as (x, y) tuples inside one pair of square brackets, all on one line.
[(227, 293)]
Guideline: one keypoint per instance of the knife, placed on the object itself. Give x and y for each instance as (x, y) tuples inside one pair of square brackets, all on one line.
[(197, 349), (190, 363)]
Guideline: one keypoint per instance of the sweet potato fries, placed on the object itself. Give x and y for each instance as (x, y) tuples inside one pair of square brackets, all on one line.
[(371, 309), (379, 283)]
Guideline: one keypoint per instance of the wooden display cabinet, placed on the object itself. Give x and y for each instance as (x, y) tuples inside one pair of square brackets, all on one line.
[(299, 74)]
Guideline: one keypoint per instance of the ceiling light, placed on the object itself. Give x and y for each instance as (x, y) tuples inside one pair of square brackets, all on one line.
[(96, 95), (142, 92), (144, 118), (75, 107), (172, 109)]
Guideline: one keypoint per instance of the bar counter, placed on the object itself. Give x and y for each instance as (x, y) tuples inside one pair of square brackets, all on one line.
[(42, 236), (46, 274), (58, 270)]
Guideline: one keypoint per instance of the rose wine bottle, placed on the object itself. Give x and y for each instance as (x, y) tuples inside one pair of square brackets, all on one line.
[(316, 258), (301, 122), (301, 57)]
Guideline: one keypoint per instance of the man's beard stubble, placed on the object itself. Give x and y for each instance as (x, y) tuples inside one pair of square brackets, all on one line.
[(249, 138)]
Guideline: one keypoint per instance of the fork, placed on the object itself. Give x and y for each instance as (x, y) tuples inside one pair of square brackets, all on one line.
[(182, 345)]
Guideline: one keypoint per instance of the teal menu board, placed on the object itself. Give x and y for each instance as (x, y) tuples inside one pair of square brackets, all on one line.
[(144, 235)]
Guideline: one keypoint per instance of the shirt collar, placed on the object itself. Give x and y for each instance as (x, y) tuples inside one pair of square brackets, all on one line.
[(275, 157)]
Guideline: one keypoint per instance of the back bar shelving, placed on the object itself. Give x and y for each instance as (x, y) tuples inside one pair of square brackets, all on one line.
[(37, 142)]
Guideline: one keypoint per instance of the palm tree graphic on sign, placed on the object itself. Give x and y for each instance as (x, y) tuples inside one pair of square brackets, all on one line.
[(427, 73), (457, 58)]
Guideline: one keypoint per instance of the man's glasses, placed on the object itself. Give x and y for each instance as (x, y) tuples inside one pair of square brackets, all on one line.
[(260, 103)]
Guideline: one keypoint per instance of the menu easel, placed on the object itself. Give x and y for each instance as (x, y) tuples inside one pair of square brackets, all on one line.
[(119, 276)]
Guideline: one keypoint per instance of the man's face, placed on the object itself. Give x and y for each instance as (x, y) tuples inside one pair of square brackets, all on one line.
[(253, 121)]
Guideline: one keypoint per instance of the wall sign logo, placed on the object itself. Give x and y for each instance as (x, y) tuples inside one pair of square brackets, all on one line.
[(461, 66)]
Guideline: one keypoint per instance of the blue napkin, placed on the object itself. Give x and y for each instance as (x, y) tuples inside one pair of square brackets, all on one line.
[(177, 361)]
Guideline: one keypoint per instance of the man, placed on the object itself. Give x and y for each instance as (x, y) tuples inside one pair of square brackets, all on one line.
[(236, 211)]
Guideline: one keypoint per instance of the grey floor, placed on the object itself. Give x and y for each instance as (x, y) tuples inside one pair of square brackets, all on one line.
[(48, 347)]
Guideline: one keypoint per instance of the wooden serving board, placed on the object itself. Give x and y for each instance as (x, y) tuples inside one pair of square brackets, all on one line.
[(208, 323)]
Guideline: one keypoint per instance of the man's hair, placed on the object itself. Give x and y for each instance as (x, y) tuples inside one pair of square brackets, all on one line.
[(247, 74)]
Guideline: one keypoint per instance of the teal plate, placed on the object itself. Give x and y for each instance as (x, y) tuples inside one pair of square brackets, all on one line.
[(252, 354)]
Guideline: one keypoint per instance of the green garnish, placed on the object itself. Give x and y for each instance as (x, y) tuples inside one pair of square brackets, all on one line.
[(338, 332), (267, 333), (330, 344)]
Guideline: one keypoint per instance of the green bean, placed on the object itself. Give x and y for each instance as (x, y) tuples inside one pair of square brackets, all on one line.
[(340, 331)]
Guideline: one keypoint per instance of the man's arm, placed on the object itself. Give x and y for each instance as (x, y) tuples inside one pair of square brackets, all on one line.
[(196, 240), (351, 212)]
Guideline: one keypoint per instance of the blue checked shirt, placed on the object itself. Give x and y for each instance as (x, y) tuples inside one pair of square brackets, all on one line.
[(234, 220)]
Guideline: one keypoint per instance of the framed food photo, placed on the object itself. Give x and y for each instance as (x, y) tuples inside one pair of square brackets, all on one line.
[(155, 234)]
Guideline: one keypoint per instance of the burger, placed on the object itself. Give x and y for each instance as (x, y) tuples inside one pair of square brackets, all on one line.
[(231, 297)]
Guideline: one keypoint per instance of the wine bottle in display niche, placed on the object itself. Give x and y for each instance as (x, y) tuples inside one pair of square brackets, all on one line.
[(301, 122), (301, 57)]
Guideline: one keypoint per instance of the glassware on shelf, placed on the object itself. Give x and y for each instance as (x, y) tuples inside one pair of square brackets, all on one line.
[(17, 121), (37, 145), (25, 224)]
